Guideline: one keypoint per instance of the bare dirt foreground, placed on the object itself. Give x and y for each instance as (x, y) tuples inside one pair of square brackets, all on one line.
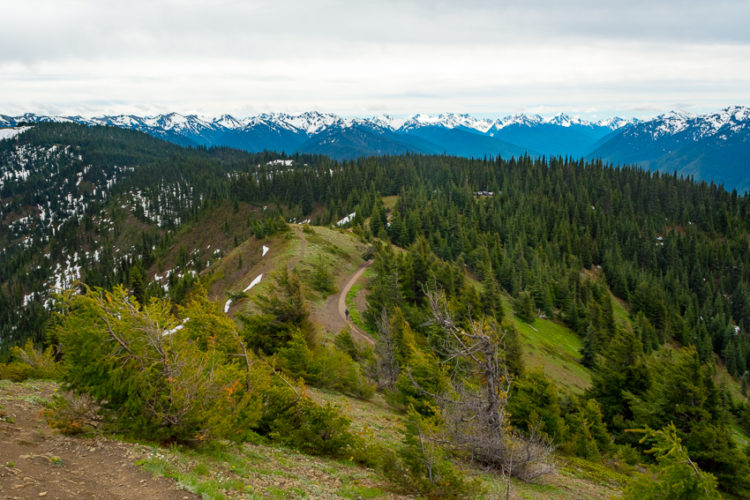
[(38, 462)]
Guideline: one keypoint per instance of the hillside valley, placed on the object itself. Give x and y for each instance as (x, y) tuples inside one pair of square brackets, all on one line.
[(268, 325)]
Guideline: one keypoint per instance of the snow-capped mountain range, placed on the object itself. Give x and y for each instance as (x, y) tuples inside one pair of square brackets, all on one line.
[(711, 147), (312, 122), (674, 141), (339, 137)]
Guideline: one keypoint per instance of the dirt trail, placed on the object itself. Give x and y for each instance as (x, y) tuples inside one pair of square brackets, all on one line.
[(37, 462), (357, 331), (333, 314), (302, 248)]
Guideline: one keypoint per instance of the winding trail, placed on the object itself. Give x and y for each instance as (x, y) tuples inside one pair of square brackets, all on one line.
[(340, 299)]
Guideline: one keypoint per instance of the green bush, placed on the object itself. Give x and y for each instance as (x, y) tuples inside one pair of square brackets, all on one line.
[(16, 371), (30, 362), (321, 278), (677, 476), (297, 421), (156, 381), (326, 367), (421, 466), (424, 374), (282, 312)]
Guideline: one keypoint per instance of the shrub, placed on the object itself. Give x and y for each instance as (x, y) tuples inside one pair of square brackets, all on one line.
[(198, 382), (325, 367), (321, 278), (677, 476), (297, 421), (283, 311), (71, 414), (157, 381), (344, 342), (420, 465), (30, 362), (16, 371)]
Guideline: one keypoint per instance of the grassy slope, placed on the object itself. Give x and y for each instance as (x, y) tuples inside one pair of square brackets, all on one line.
[(340, 252), (575, 479), (215, 229), (262, 471), (549, 346), (227, 276), (554, 349)]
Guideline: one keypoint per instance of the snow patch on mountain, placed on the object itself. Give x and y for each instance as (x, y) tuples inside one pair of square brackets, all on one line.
[(387, 122), (564, 120), (517, 119), (723, 123), (615, 122), (346, 220), (446, 120), (311, 122)]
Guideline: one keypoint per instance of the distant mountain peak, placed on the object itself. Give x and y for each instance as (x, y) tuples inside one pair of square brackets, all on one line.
[(448, 121), (385, 121), (311, 122), (727, 120), (517, 119), (227, 121), (615, 122), (565, 120)]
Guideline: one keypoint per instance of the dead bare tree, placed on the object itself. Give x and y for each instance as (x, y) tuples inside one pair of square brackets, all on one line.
[(475, 414)]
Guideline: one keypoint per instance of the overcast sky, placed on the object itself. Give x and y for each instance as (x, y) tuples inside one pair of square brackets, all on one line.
[(357, 58)]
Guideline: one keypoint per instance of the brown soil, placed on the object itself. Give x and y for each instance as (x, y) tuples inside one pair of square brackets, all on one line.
[(38, 462)]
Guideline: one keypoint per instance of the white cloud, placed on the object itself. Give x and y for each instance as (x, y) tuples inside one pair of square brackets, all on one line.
[(364, 57)]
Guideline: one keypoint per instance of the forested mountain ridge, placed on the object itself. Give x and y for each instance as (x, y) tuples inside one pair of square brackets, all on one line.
[(710, 147), (553, 238), (95, 204)]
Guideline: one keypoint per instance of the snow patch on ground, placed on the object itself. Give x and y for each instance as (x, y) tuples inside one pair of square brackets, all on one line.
[(254, 282), (281, 162), (9, 133), (176, 328), (265, 251), (347, 219)]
